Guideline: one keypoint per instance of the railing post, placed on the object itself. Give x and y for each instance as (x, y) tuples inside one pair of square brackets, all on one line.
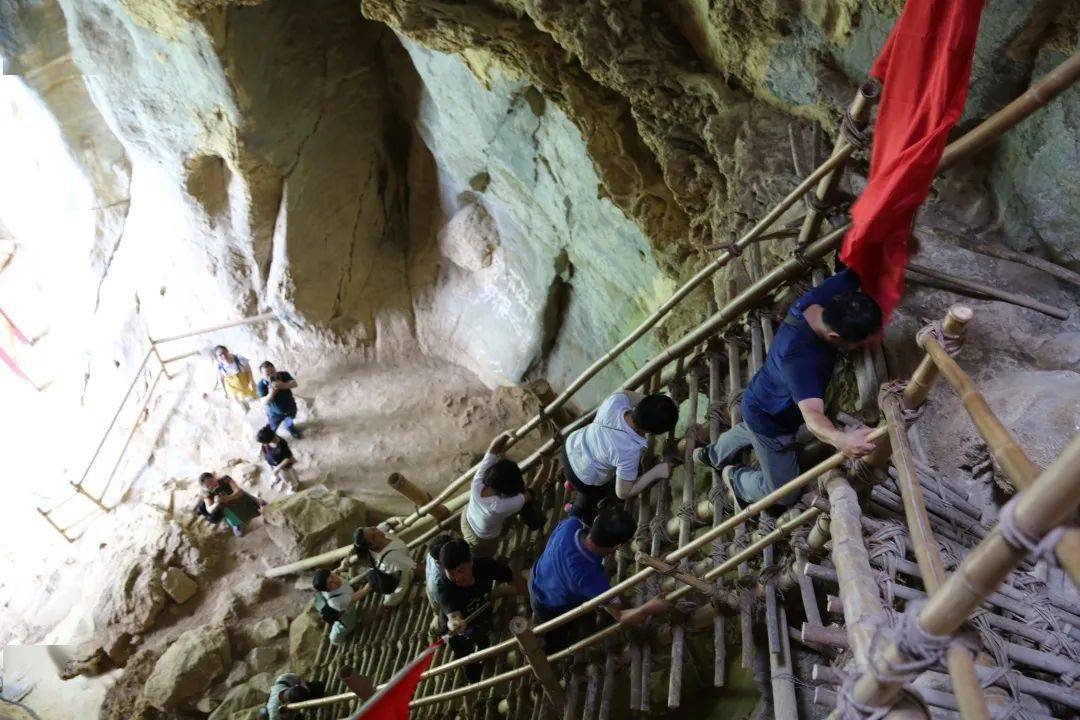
[(416, 495), (538, 662)]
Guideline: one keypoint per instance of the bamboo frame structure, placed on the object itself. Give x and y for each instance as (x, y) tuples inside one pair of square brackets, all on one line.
[(960, 661), (1049, 502), (530, 648), (1003, 447)]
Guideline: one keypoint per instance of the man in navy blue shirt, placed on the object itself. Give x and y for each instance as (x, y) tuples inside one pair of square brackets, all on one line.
[(275, 393), (789, 390), (570, 571)]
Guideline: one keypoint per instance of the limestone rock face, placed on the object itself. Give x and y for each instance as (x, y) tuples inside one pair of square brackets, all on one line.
[(178, 585), (262, 658), (305, 634), (304, 523), (188, 667), (269, 628)]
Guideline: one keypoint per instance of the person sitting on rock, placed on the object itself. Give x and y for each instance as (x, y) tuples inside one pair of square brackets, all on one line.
[(391, 567), (611, 446), (290, 688), (337, 591), (279, 457), (497, 492), (224, 499), (275, 390), (234, 372), (570, 571), (432, 569), (465, 586), (789, 390)]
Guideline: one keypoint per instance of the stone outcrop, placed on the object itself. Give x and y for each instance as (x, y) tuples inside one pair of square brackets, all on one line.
[(311, 520), (305, 634), (188, 667), (177, 585), (239, 698)]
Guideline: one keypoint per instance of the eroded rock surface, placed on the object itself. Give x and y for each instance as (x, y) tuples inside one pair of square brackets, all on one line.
[(188, 667), (309, 521)]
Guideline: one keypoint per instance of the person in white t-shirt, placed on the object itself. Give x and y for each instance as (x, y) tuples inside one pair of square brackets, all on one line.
[(339, 594), (610, 448), (390, 561), (497, 492)]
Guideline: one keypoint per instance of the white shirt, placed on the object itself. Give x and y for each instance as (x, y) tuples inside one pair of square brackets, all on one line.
[(486, 515), (341, 598), (606, 447), (395, 559), (432, 573)]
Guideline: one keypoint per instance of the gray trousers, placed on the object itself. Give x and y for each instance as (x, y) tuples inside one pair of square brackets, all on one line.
[(343, 627), (777, 457)]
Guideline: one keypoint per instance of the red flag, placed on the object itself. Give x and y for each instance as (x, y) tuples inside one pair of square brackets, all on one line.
[(924, 69), (391, 701)]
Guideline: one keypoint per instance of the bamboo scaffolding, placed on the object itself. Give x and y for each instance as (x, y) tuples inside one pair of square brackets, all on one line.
[(1003, 447), (960, 661), (1003, 253), (746, 618), (1049, 502), (859, 112), (538, 662)]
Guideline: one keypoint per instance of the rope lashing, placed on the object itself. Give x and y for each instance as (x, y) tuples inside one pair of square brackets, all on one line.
[(921, 649), (732, 246), (848, 708), (1002, 668), (852, 133), (1018, 538), (734, 399), (718, 411), (658, 528), (950, 342), (895, 388)]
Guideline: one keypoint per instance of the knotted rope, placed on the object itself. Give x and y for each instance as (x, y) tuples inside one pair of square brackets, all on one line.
[(852, 133), (848, 708), (1018, 538), (895, 388), (950, 343), (886, 546)]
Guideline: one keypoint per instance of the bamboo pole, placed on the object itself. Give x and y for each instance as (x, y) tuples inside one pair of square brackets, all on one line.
[(947, 281), (1003, 253), (416, 495), (1039, 94), (1003, 446), (1049, 502), (863, 607), (719, 639), (746, 618), (131, 433), (538, 662), (678, 629), (859, 110), (223, 326), (960, 661)]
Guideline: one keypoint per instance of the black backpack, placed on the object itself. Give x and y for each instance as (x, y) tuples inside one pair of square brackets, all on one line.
[(381, 581), (326, 612)]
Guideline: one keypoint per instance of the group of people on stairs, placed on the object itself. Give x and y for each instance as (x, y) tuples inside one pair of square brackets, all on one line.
[(601, 463)]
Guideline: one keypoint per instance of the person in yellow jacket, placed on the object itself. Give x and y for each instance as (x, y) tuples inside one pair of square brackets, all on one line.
[(235, 375)]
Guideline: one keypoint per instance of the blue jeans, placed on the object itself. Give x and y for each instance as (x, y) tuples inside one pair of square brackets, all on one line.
[(779, 463), (274, 420)]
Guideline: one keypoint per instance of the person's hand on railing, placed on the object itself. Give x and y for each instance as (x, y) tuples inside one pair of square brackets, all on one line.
[(498, 445)]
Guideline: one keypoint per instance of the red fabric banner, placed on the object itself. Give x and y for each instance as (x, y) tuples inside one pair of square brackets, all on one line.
[(9, 335), (924, 69), (391, 702)]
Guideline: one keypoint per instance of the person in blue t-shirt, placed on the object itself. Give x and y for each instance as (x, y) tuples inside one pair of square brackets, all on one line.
[(570, 571), (275, 392), (789, 390)]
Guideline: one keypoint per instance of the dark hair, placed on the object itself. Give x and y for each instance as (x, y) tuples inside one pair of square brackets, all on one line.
[(612, 527), (854, 316), (360, 544), (504, 478), (266, 434), (656, 414), (454, 553), (205, 476), (437, 544), (318, 580), (297, 693), (220, 347), (266, 364)]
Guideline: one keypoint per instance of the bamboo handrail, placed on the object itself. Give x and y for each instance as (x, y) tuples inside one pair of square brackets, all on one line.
[(1049, 502), (960, 661), (1003, 447), (214, 328)]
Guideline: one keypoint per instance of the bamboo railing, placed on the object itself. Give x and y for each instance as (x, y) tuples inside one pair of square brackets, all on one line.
[(150, 382)]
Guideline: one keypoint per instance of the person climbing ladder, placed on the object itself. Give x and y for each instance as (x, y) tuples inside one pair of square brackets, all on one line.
[(789, 390)]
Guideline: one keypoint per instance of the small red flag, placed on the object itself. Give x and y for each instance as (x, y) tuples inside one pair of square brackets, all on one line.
[(924, 69), (391, 701), (9, 334)]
